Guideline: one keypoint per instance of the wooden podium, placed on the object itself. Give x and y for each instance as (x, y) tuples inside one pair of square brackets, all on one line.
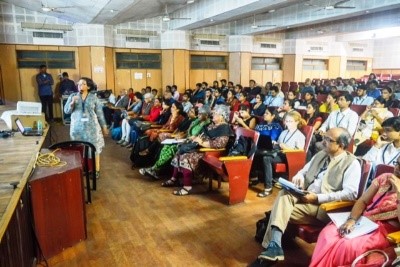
[(58, 204)]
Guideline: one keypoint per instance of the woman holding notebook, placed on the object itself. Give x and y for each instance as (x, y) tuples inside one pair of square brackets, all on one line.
[(379, 203)]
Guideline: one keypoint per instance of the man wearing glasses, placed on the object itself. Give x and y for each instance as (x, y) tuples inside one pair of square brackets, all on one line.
[(332, 174)]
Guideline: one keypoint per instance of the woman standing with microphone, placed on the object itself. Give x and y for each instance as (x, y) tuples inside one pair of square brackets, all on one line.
[(87, 118)]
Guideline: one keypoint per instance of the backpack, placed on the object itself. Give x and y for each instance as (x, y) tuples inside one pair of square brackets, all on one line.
[(261, 227), (243, 146), (116, 133)]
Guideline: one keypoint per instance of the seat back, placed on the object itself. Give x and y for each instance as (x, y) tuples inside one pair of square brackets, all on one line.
[(395, 111), (366, 168), (308, 133), (359, 109), (89, 166), (321, 98), (383, 168), (240, 131)]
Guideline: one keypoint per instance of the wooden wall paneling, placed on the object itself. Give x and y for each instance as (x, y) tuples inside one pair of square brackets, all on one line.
[(123, 80), (29, 89), (288, 65), (153, 78), (334, 67), (210, 76), (74, 74), (234, 67), (245, 68), (110, 77), (10, 73), (179, 70), (223, 74), (277, 76), (314, 74), (138, 82), (98, 66), (48, 47), (256, 75), (167, 67), (85, 65), (188, 85), (266, 77), (196, 76)]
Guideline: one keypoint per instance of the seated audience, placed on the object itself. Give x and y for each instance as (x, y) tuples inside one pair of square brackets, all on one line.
[(332, 174), (330, 104), (216, 136), (218, 98), (208, 98), (187, 105), (362, 98), (312, 116), (293, 96), (273, 100), (288, 106), (231, 99), (258, 107), (120, 104), (373, 90), (168, 151), (371, 120), (175, 92), (242, 100), (309, 97), (388, 96), (387, 147), (380, 204), (291, 138), (242, 118)]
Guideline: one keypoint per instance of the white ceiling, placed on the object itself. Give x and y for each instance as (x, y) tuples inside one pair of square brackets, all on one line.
[(241, 14)]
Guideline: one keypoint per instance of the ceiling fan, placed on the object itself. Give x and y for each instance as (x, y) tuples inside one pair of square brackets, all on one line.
[(337, 5), (255, 26), (166, 17), (46, 8)]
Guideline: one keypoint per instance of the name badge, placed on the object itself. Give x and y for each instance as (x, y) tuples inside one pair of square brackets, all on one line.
[(84, 119)]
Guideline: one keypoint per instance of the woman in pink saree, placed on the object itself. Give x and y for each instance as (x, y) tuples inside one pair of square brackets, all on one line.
[(379, 203)]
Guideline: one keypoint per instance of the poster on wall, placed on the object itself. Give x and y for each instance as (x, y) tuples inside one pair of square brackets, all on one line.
[(138, 76)]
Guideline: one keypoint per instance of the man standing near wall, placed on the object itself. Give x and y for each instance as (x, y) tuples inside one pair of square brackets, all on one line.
[(45, 82)]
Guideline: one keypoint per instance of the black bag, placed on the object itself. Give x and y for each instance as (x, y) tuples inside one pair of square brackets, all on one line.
[(139, 160), (243, 146), (187, 147), (261, 227)]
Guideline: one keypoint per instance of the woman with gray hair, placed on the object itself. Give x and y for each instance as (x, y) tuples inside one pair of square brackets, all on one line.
[(216, 135)]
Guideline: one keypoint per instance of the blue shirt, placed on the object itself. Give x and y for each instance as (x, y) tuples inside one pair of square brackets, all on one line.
[(273, 101), (374, 93), (44, 81), (272, 130)]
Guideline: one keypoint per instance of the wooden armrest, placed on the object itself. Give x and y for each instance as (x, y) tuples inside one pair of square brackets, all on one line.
[(165, 131), (292, 150), (394, 237), (155, 126), (208, 149), (231, 158), (335, 205)]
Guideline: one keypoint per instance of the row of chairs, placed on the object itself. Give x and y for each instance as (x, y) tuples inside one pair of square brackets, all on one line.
[(236, 169)]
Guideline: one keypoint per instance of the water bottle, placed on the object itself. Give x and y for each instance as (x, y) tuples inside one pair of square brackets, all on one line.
[(39, 125)]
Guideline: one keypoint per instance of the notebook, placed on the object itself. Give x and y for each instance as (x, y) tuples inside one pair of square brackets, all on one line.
[(27, 132), (362, 227)]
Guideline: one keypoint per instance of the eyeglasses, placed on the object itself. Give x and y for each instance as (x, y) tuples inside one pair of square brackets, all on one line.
[(258, 97), (396, 163), (328, 139)]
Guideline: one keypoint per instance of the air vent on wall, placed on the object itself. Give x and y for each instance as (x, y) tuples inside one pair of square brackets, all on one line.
[(316, 48), (209, 36), (48, 38), (266, 45), (209, 42), (56, 35), (358, 49), (136, 32), (45, 26), (137, 39)]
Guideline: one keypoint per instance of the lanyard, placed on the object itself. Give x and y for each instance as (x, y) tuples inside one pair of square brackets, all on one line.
[(362, 100), (271, 100), (284, 138), (324, 167), (337, 116), (383, 155)]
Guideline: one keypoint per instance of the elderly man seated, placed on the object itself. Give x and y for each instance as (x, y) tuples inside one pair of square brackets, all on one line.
[(332, 174)]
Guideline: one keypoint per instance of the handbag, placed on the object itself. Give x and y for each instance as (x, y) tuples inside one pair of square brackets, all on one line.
[(187, 147), (372, 255)]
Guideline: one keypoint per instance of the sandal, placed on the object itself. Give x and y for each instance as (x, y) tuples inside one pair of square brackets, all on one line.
[(169, 183), (182, 192)]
